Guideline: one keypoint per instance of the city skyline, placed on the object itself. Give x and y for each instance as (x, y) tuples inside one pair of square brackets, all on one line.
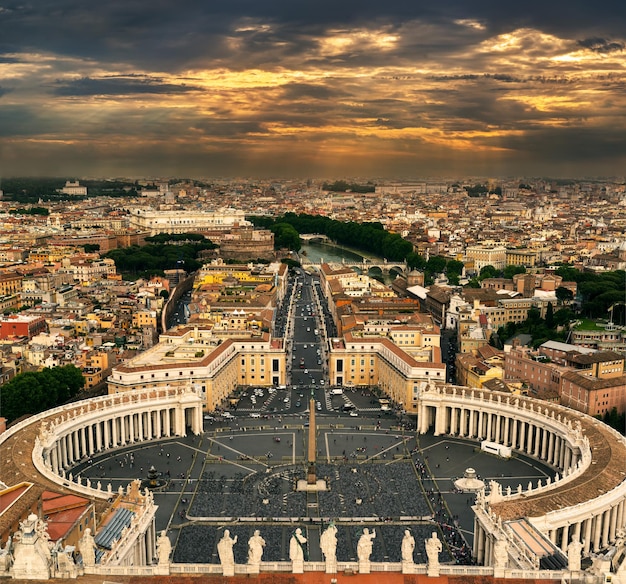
[(273, 88)]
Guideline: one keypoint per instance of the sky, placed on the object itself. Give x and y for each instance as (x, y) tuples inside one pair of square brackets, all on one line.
[(294, 88)]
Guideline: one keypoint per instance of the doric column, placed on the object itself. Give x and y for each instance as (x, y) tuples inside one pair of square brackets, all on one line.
[(551, 453), (158, 423), (77, 452), (107, 434), (499, 439), (472, 423), (90, 431), (168, 422), (620, 515), (568, 458), (597, 532), (587, 538), (544, 443), (69, 448), (83, 441), (54, 459), (453, 420), (131, 428), (489, 422), (514, 435), (507, 431), (140, 416), (565, 538), (537, 433), (613, 524), (522, 435), (530, 437), (606, 524)]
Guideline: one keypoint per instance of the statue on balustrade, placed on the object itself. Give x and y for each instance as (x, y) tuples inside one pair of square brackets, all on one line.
[(226, 554), (164, 548), (87, 547), (255, 548), (408, 546)]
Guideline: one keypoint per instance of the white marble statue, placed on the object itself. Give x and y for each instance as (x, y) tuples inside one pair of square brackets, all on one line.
[(255, 548), (87, 547), (574, 550), (6, 557), (226, 554), (164, 548), (408, 546), (296, 546), (328, 543), (365, 545), (433, 549)]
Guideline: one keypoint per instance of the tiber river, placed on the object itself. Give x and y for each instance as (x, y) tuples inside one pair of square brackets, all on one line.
[(317, 251)]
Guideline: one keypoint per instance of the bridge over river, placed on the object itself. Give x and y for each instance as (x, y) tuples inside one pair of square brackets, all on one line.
[(362, 267)]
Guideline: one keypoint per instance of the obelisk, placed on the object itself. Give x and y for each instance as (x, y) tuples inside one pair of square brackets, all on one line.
[(311, 477), (312, 483)]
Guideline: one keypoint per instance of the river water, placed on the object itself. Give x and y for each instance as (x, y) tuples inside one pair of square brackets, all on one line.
[(317, 252)]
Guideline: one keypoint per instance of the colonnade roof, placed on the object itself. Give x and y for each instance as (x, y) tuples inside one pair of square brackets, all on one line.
[(606, 471), (17, 466)]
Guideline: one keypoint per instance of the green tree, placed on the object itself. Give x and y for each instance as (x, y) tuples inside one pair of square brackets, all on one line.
[(550, 316), (34, 392), (510, 271), (564, 295), (487, 272)]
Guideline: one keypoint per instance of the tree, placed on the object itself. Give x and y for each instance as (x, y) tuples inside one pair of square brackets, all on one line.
[(564, 295), (510, 271), (487, 272), (550, 316), (436, 264), (34, 392)]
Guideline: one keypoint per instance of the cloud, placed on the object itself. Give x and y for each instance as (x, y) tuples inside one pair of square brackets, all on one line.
[(119, 86), (600, 45), (387, 88)]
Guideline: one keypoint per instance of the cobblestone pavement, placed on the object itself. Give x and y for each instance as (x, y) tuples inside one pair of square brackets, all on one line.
[(242, 475)]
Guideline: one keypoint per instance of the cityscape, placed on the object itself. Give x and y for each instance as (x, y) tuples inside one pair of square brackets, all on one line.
[(386, 365), (302, 293)]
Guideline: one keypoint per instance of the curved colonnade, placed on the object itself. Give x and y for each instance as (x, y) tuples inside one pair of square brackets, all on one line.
[(41, 449), (585, 501), (109, 422)]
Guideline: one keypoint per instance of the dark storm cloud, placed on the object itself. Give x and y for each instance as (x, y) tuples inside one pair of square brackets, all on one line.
[(119, 86), (174, 35), (253, 78), (599, 45), (295, 91)]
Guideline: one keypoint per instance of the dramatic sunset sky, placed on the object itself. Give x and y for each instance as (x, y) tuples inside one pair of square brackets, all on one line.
[(202, 88)]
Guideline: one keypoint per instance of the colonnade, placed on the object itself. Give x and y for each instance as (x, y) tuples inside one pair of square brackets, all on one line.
[(535, 437), (115, 422), (558, 437), (115, 431)]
